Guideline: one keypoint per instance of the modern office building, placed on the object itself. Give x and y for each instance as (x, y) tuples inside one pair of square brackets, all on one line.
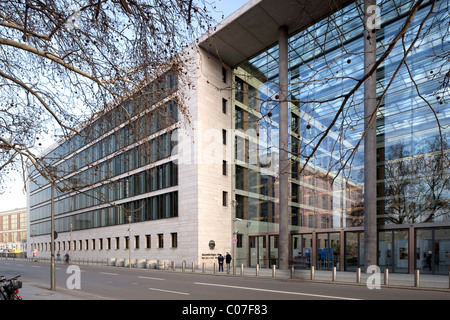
[(220, 180)]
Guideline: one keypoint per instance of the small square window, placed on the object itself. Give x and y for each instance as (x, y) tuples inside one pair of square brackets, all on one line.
[(224, 75), (174, 239), (224, 136), (160, 240), (224, 168), (224, 106), (225, 199)]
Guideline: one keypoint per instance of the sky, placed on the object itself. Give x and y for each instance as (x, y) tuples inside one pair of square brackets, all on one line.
[(14, 196)]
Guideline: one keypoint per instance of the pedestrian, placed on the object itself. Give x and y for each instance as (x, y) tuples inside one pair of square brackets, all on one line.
[(67, 258), (220, 258), (228, 261)]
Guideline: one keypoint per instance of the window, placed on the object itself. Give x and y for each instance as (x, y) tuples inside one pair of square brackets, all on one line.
[(224, 136), (100, 244), (160, 240), (108, 243), (117, 242), (174, 239), (225, 199), (148, 241), (239, 240), (224, 106), (127, 242), (224, 168), (136, 242), (224, 75)]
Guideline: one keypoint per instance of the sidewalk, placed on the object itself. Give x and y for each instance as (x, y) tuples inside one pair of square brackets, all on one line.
[(425, 281), (37, 291)]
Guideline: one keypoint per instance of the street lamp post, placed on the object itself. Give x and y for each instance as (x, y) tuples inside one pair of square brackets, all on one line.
[(129, 240), (234, 203), (52, 241)]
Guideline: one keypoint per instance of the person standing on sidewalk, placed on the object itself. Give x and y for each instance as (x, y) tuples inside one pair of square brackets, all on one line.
[(228, 261), (220, 259)]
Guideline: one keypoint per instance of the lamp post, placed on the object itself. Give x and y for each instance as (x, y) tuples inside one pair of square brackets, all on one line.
[(129, 240), (234, 203), (52, 229)]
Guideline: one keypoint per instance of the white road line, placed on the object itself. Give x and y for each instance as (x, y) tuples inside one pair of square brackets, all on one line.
[(109, 273), (275, 291), (168, 291), (150, 278)]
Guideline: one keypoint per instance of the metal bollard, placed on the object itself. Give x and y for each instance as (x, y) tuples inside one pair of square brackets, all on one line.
[(257, 270), (312, 272), (333, 274), (386, 277), (193, 267), (292, 272), (358, 275), (183, 266), (214, 268), (274, 272), (242, 269), (173, 265), (203, 267), (417, 278)]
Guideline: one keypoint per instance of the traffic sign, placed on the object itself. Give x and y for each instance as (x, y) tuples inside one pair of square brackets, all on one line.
[(234, 240)]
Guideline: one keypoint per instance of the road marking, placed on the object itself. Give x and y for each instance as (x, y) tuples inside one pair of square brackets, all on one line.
[(168, 291), (109, 273), (150, 278), (35, 266), (275, 291)]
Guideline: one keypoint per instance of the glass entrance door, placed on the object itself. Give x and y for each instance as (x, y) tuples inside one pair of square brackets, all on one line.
[(258, 252)]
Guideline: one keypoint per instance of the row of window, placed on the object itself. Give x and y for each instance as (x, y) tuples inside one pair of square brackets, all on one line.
[(157, 178), (161, 206), (156, 91), (109, 243)]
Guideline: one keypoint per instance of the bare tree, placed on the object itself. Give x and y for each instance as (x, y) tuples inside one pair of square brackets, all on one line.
[(64, 63)]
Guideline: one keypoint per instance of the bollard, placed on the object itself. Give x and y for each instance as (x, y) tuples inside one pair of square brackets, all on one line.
[(203, 267), (173, 265), (183, 266), (417, 278), (274, 272), (242, 269), (312, 272), (193, 267), (257, 270), (333, 274), (358, 275), (214, 268), (386, 277), (292, 272)]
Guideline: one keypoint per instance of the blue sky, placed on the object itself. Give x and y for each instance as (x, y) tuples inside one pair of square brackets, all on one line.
[(13, 197)]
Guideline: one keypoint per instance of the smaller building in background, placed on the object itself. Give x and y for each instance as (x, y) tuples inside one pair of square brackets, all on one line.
[(13, 231)]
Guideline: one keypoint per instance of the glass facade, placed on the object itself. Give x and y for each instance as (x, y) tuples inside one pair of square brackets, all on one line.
[(326, 144), (119, 166)]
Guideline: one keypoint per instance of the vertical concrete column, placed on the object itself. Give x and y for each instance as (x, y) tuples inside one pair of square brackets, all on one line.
[(284, 165), (370, 147)]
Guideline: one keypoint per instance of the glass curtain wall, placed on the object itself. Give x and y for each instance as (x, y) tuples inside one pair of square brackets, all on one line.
[(326, 146)]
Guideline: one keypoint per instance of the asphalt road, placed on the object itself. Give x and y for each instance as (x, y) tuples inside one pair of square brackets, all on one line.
[(148, 284)]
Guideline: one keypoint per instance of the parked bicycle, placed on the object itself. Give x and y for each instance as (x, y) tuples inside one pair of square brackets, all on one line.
[(9, 288)]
